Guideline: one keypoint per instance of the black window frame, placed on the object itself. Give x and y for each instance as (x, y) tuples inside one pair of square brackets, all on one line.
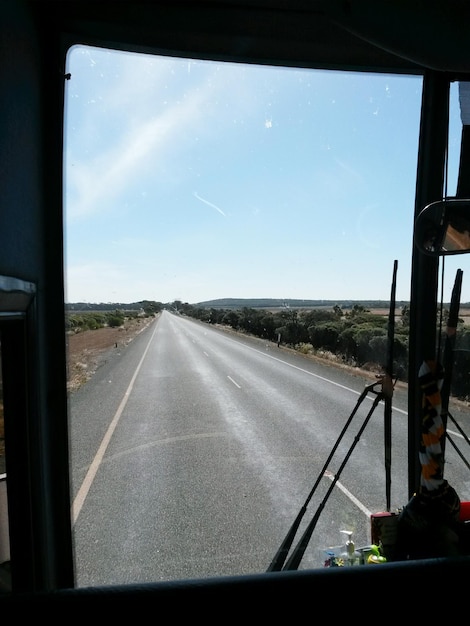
[(17, 299)]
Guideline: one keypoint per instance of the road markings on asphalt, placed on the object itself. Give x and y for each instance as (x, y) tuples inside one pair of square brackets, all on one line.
[(353, 498), (93, 469)]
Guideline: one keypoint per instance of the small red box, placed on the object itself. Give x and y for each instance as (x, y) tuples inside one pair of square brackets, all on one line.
[(383, 532), (464, 515)]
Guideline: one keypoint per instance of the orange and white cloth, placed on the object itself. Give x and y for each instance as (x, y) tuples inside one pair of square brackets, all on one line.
[(431, 455)]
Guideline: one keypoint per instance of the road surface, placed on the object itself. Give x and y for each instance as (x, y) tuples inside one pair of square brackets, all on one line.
[(193, 450)]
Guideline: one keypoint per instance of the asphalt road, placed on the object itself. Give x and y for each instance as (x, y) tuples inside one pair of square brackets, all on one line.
[(194, 449)]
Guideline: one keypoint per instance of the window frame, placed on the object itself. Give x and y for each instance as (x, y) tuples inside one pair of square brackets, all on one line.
[(16, 311)]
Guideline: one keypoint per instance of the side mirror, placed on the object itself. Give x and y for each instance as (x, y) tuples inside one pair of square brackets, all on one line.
[(443, 228)]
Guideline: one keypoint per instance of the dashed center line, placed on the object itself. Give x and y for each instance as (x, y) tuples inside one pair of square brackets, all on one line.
[(232, 381)]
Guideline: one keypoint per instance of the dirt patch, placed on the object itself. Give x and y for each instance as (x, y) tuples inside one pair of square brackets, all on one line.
[(86, 349)]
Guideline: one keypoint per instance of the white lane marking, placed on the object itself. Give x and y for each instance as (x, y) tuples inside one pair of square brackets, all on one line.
[(332, 382), (232, 381), (93, 469), (301, 369), (452, 432), (353, 499), (328, 380)]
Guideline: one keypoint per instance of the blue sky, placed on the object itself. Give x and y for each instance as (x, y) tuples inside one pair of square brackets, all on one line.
[(195, 180)]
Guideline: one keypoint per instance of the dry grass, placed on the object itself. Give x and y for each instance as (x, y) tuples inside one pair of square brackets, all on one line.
[(86, 349)]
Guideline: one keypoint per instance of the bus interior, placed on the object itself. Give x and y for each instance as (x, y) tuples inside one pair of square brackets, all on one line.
[(400, 37)]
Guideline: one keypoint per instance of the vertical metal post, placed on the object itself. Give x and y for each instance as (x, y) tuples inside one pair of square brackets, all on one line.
[(424, 271)]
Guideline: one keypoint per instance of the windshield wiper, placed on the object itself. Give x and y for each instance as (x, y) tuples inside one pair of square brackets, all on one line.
[(385, 393)]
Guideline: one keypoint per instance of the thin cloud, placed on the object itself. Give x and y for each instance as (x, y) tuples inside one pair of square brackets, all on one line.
[(209, 204), (347, 168), (98, 181)]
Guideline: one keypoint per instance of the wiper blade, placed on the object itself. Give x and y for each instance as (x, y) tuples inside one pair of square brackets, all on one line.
[(281, 555), (296, 556), (386, 393)]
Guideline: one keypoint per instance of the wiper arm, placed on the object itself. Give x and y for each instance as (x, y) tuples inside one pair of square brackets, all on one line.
[(281, 555), (297, 554), (386, 395)]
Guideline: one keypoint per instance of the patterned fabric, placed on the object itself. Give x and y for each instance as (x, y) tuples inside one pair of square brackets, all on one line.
[(428, 526), (442, 503), (431, 456)]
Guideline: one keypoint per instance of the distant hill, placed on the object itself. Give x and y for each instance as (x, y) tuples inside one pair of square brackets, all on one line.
[(240, 303), (235, 303), (273, 303)]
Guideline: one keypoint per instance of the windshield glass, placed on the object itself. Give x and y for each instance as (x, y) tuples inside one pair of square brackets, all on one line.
[(231, 233)]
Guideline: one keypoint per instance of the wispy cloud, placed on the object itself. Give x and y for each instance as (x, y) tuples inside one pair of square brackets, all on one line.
[(93, 184), (196, 195)]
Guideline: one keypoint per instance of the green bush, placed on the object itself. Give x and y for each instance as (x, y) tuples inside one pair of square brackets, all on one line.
[(114, 321)]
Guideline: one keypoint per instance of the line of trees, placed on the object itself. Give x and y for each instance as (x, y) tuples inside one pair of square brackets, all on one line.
[(81, 316), (356, 336), (93, 320)]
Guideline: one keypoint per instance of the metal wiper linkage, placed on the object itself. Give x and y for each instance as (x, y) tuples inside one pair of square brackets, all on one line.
[(385, 393), (277, 563)]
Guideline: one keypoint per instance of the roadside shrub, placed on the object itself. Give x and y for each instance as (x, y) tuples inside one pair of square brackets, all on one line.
[(114, 321), (325, 335), (305, 348)]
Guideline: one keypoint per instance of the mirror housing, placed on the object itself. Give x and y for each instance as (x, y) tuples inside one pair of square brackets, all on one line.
[(443, 227)]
